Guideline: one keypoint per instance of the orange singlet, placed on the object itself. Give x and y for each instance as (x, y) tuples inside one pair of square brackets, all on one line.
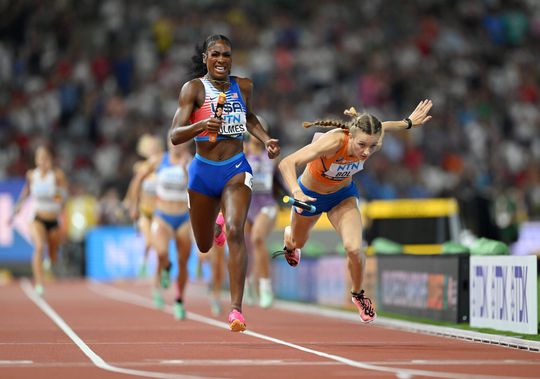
[(333, 170)]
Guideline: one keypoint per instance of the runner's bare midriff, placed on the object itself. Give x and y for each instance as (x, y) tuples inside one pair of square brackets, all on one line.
[(221, 150), (172, 207), (314, 185)]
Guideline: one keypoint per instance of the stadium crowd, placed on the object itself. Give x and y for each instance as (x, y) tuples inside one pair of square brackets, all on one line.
[(92, 76)]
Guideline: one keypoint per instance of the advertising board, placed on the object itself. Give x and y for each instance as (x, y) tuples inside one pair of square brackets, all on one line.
[(503, 293)]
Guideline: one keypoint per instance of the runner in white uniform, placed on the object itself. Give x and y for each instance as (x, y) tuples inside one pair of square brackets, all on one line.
[(47, 186), (142, 207)]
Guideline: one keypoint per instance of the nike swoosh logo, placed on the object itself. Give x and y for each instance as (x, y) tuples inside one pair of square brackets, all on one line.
[(212, 98), (237, 165)]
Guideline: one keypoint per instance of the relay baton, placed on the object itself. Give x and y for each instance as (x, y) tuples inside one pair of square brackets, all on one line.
[(217, 113), (299, 204)]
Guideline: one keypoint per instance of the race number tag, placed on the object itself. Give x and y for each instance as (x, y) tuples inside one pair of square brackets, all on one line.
[(248, 180), (233, 123), (342, 171)]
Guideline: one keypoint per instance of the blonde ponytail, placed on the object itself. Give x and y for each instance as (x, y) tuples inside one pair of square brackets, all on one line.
[(351, 112)]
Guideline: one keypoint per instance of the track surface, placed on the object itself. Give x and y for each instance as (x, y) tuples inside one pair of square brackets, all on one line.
[(87, 330)]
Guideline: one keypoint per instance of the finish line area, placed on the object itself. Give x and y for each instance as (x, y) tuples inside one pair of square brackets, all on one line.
[(94, 330)]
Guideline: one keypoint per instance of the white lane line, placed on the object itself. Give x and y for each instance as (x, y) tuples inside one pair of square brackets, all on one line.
[(199, 343), (15, 363), (180, 362), (458, 362), (240, 362), (434, 330), (96, 359), (125, 296)]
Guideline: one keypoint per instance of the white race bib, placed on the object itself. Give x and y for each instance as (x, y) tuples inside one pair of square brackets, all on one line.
[(342, 171), (233, 123)]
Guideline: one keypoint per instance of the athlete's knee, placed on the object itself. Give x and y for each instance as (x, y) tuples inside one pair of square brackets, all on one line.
[(38, 250), (235, 233), (352, 251), (162, 253), (204, 241), (257, 240), (182, 265), (183, 258), (205, 246), (53, 253)]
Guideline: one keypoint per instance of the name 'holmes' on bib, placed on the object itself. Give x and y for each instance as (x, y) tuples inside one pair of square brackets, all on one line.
[(234, 119), (234, 123)]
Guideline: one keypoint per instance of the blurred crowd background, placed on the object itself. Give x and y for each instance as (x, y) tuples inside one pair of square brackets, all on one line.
[(91, 76)]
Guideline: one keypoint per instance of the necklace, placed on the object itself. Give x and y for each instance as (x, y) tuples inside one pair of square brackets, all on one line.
[(219, 83)]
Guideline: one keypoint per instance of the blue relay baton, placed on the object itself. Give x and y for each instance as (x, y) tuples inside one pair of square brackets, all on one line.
[(299, 204)]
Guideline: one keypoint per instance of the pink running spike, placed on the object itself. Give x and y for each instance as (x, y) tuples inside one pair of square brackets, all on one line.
[(220, 239), (364, 306), (293, 257), (237, 323)]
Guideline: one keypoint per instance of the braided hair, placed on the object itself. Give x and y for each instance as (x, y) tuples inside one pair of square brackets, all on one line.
[(198, 68), (364, 122)]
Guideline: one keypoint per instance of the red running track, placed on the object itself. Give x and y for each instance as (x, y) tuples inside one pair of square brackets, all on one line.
[(86, 330)]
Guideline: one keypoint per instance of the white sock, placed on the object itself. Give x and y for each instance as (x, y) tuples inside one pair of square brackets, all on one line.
[(265, 284)]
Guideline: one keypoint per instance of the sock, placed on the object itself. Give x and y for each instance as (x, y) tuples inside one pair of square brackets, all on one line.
[(265, 284)]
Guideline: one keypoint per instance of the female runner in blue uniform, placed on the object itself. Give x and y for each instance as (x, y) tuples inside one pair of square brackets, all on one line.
[(170, 220), (220, 175)]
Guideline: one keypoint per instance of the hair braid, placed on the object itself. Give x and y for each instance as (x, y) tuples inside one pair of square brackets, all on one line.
[(327, 124), (364, 122)]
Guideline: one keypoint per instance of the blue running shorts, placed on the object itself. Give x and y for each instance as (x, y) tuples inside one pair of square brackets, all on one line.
[(209, 177), (173, 220), (325, 202)]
